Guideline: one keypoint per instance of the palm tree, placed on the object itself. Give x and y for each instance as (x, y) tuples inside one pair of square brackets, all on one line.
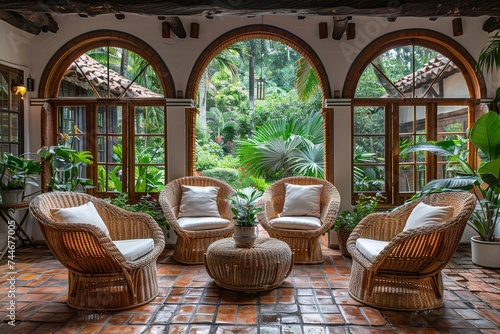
[(306, 81), (285, 148)]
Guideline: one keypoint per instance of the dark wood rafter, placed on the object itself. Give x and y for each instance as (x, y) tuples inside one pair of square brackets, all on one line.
[(35, 16), (176, 26)]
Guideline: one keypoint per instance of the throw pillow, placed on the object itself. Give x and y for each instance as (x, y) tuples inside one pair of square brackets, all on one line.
[(199, 202), (302, 200), (425, 215), (86, 214)]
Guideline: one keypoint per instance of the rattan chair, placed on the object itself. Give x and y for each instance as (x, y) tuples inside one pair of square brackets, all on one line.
[(100, 278), (406, 275), (305, 244), (191, 246)]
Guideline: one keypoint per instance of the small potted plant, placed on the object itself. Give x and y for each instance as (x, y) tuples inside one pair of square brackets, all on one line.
[(245, 216), (16, 172), (347, 220)]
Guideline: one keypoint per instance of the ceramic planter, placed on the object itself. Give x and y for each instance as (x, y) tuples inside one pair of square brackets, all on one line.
[(485, 253), (244, 236), (14, 196)]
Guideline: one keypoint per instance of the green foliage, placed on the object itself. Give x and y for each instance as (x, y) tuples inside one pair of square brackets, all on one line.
[(16, 172), (484, 181), (228, 175), (208, 155), (66, 167), (243, 206), (285, 148), (146, 204), (229, 161), (365, 205), (489, 57)]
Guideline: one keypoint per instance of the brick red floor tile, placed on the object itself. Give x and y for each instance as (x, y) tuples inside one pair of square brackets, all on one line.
[(313, 299)]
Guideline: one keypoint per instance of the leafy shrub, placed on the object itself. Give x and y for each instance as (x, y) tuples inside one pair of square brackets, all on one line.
[(365, 205), (146, 204), (229, 161), (228, 175)]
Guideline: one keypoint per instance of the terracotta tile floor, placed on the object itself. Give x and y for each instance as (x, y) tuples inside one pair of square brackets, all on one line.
[(313, 299)]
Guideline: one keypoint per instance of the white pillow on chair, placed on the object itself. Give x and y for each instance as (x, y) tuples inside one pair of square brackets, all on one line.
[(302, 200), (199, 201), (426, 215), (85, 213)]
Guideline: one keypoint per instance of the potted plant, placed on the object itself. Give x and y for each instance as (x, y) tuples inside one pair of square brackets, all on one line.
[(347, 220), (245, 216), (65, 162), (483, 182), (16, 172)]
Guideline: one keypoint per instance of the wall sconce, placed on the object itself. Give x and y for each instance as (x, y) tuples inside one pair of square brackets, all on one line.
[(195, 30), (351, 31), (323, 30), (457, 27), (18, 89)]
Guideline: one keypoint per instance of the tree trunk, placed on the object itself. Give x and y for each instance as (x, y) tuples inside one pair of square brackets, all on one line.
[(251, 81)]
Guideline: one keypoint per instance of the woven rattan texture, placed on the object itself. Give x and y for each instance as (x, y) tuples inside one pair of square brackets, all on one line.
[(262, 267), (407, 273), (192, 245), (99, 276), (305, 244)]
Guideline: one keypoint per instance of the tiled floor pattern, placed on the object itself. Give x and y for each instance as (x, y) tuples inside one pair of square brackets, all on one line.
[(313, 299)]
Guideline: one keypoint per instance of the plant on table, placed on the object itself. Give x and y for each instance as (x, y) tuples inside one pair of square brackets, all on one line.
[(243, 206)]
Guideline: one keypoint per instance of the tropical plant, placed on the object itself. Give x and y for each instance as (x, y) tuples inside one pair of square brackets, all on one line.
[(285, 148), (146, 204), (306, 81), (347, 220), (485, 181), (16, 172), (66, 167), (243, 206)]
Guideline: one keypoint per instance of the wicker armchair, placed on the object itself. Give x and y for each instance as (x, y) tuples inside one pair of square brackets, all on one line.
[(192, 245), (305, 244), (100, 278), (406, 274)]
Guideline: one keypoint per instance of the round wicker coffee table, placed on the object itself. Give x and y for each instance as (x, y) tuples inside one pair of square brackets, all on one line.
[(262, 267)]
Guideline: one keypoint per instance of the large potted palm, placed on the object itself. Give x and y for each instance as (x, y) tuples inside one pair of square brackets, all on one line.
[(484, 182)]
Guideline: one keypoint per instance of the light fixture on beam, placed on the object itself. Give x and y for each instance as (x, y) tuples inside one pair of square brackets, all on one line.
[(261, 82), (457, 27), (18, 88)]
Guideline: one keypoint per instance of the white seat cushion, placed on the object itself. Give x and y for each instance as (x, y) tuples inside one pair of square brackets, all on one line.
[(133, 249), (296, 223), (370, 248), (85, 214), (302, 200), (202, 223), (425, 215)]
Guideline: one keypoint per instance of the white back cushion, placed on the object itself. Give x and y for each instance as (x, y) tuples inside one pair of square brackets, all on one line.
[(86, 214), (302, 200), (425, 215), (199, 202)]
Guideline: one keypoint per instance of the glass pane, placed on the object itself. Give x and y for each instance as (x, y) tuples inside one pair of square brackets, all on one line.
[(404, 142), (368, 85), (101, 119), (150, 150), (421, 181), (372, 147), (110, 178), (4, 126), (109, 72), (421, 156), (406, 178), (149, 178), (115, 119), (149, 120), (369, 120), (369, 178)]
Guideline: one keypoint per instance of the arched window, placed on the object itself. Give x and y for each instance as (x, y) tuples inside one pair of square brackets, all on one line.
[(111, 101), (411, 91)]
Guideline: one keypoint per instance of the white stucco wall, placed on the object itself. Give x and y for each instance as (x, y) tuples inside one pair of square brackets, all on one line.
[(32, 53)]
